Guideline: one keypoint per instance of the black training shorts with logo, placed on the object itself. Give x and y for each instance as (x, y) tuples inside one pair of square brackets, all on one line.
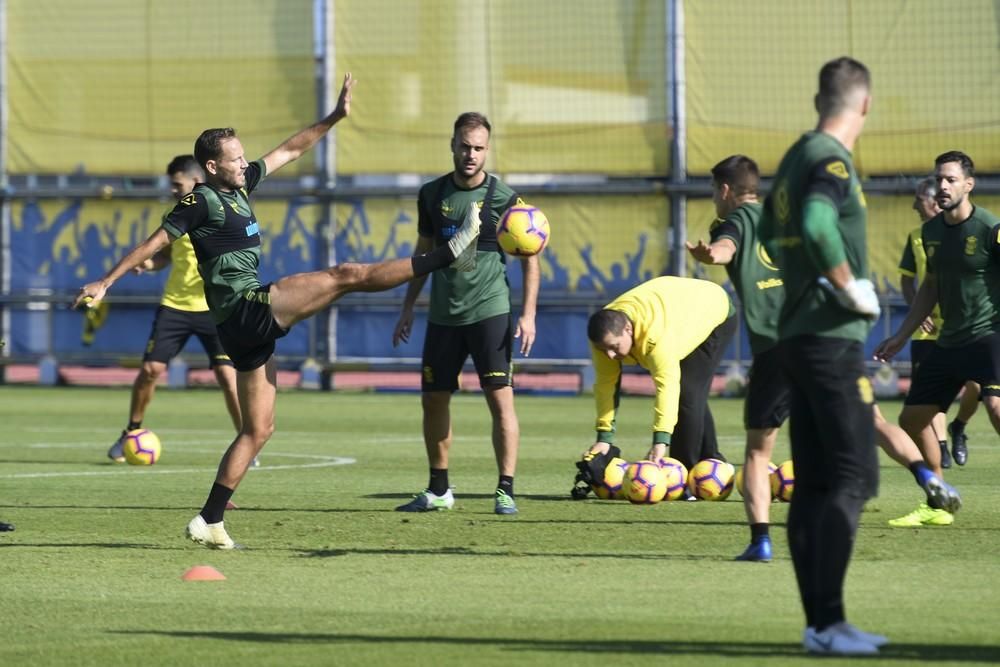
[(248, 334), (446, 348)]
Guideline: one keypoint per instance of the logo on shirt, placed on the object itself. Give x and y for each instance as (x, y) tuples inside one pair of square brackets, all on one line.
[(970, 245), (233, 205), (781, 206), (252, 229), (764, 258), (446, 208), (188, 200), (865, 390), (838, 169)]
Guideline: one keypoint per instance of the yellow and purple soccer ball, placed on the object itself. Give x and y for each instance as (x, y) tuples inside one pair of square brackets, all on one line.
[(645, 483), (141, 447), (783, 482), (711, 479), (676, 475), (614, 475), (739, 477), (523, 231)]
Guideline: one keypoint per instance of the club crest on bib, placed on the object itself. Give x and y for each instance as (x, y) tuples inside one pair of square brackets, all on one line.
[(970, 245)]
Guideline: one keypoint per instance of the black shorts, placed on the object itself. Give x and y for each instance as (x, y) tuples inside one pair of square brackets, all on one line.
[(171, 330), (919, 349), (766, 405), (832, 424), (940, 377), (446, 348), (248, 334)]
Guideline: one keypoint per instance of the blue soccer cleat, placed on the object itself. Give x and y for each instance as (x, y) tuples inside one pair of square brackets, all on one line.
[(759, 551)]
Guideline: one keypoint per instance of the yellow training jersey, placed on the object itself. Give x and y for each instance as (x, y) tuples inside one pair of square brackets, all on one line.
[(914, 265), (670, 318), (184, 289)]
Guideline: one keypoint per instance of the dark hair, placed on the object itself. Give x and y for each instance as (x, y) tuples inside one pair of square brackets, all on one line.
[(837, 80), (961, 158), (471, 119), (208, 145), (185, 164), (738, 172), (605, 322)]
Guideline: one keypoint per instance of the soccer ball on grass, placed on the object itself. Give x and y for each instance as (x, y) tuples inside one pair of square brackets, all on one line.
[(614, 475), (141, 447), (676, 475), (645, 483), (711, 479)]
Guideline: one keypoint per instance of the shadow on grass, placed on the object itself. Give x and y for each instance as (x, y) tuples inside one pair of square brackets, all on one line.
[(89, 545), (616, 647), (475, 496), (503, 553)]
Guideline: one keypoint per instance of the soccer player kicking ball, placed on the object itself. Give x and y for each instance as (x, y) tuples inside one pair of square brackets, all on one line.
[(249, 317)]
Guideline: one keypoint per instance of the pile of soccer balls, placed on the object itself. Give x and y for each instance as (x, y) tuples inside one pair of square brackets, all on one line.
[(649, 482)]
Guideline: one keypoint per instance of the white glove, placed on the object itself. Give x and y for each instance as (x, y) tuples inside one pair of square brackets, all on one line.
[(858, 296)]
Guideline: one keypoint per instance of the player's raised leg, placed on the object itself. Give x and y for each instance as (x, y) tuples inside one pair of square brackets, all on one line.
[(296, 297)]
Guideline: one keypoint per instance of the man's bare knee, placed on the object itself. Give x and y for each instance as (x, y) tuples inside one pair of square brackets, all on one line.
[(349, 276), (151, 370)]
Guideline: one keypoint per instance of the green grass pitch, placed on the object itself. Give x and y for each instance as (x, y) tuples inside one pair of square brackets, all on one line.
[(332, 576)]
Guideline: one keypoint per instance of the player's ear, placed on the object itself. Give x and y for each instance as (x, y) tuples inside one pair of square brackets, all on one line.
[(211, 167), (866, 105)]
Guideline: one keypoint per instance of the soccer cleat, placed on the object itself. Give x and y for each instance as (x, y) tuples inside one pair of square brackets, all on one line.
[(945, 456), (6, 527), (941, 495), (959, 446), (878, 641), (117, 451), (212, 535), (463, 243), (759, 551), (504, 504), (838, 639), (425, 501), (924, 515)]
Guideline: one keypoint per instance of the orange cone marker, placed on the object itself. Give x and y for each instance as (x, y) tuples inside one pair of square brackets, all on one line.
[(203, 573)]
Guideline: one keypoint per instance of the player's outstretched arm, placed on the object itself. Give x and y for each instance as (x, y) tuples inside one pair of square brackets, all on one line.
[(719, 252), (92, 293), (293, 147), (920, 310)]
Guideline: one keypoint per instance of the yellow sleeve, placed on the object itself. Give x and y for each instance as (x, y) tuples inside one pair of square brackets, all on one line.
[(607, 373)]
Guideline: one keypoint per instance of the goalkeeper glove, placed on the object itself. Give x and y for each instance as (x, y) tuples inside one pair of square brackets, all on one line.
[(857, 295)]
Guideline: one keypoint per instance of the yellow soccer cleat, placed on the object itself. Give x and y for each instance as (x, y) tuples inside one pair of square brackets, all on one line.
[(924, 515)]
